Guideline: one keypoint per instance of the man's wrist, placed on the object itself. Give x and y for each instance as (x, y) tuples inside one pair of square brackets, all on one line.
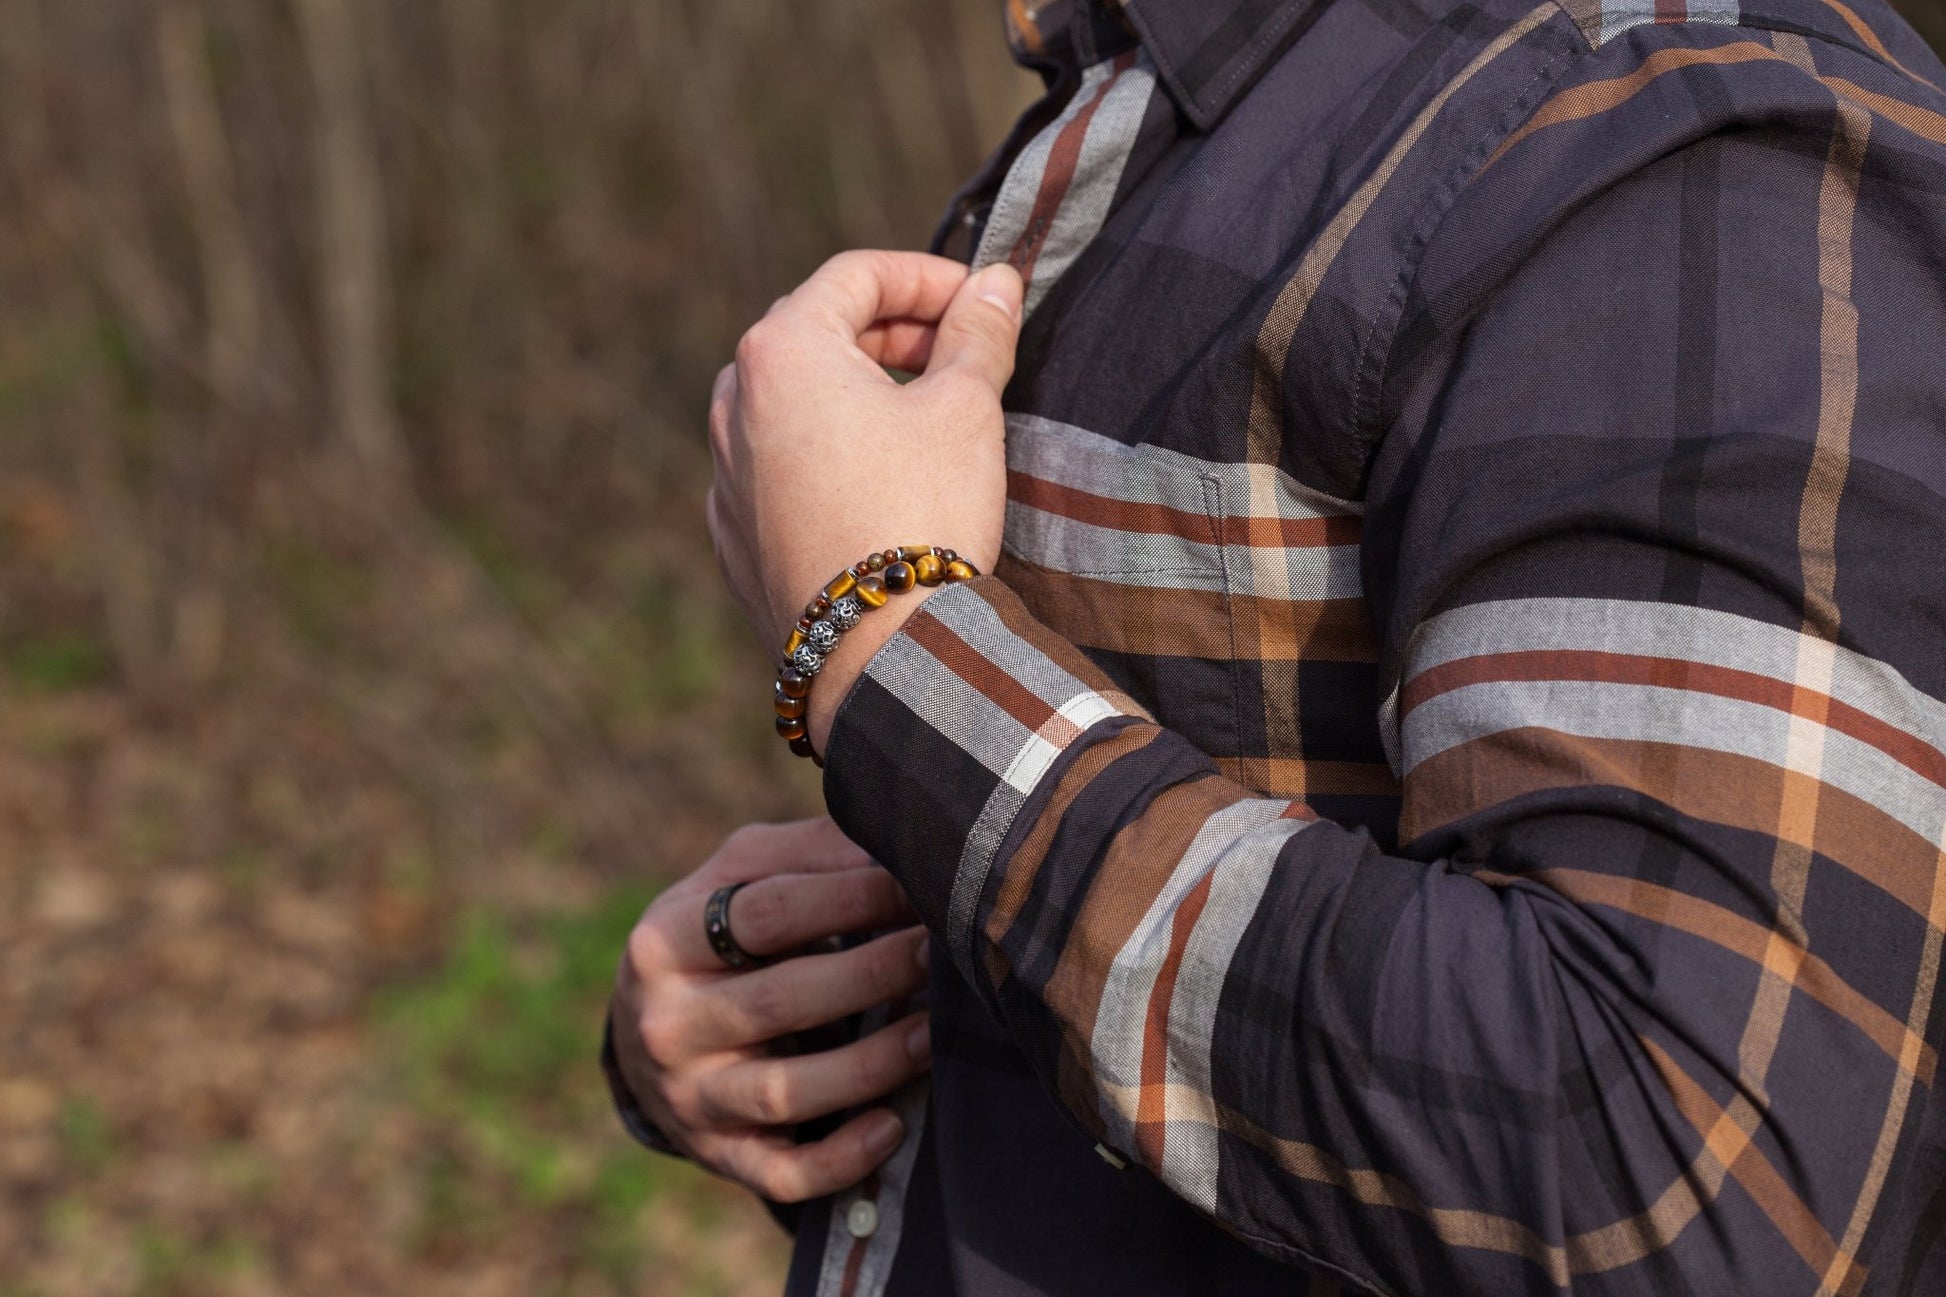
[(847, 661)]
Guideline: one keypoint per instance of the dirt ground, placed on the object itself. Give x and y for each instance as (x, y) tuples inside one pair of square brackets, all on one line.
[(316, 1071)]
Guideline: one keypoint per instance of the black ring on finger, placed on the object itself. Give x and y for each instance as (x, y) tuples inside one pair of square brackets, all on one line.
[(716, 926)]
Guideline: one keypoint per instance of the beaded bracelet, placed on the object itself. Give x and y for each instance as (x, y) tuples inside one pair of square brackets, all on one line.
[(863, 586)]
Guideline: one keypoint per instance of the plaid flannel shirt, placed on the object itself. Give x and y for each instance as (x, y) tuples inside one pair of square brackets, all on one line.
[(1450, 773)]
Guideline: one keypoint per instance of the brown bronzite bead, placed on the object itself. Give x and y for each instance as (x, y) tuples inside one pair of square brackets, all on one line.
[(871, 592), (793, 683), (899, 576), (817, 608), (960, 570), (890, 556), (791, 727), (875, 563), (928, 569), (788, 706)]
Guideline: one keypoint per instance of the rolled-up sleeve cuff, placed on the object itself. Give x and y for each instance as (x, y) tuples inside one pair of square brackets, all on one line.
[(947, 736)]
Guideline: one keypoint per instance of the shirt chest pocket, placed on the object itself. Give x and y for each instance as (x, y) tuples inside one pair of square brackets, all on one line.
[(1224, 597), (1119, 549)]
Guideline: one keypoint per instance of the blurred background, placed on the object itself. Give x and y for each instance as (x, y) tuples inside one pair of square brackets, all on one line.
[(363, 668)]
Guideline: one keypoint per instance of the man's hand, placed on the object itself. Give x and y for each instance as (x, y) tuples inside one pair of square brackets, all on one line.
[(822, 457), (691, 1035)]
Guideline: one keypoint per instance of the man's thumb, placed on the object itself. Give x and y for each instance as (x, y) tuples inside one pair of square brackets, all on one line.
[(981, 325)]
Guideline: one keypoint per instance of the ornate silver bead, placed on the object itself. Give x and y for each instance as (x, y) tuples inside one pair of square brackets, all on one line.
[(823, 636), (845, 612), (807, 659)]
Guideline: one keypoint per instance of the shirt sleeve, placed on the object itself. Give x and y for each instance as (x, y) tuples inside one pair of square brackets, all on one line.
[(1655, 535)]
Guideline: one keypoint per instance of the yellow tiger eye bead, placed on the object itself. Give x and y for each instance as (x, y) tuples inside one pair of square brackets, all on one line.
[(929, 569), (841, 585), (913, 553), (899, 576), (795, 642), (959, 570), (871, 592)]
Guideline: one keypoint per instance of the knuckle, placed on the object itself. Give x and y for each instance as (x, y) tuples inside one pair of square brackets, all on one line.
[(745, 836), (809, 829), (722, 392), (770, 1097), (647, 948), (986, 326), (856, 262), (769, 1008), (713, 515), (685, 1102), (960, 392), (755, 348), (760, 851), (661, 1037), (741, 841)]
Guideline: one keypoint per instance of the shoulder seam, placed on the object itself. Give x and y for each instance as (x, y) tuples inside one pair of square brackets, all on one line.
[(1369, 381), (1603, 21)]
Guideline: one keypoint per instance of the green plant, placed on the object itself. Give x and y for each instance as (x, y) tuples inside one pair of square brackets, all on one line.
[(497, 1047), (56, 662)]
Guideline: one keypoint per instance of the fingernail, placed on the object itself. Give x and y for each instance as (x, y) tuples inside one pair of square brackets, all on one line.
[(883, 1131), (918, 1039), (922, 953), (1000, 286)]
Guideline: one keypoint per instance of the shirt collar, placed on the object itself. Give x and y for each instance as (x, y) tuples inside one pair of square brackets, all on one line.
[(1207, 52), (1210, 52)]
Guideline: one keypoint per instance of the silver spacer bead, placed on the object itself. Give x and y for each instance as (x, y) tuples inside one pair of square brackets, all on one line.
[(822, 636), (807, 659), (845, 612)]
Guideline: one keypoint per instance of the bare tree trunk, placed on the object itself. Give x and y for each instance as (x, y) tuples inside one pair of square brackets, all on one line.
[(67, 221), (232, 334), (231, 294), (353, 284)]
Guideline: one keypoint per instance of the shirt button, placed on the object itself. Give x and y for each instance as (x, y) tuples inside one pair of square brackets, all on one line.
[(862, 1219)]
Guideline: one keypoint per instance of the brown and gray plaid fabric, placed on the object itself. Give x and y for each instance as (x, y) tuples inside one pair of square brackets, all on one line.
[(1450, 774)]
